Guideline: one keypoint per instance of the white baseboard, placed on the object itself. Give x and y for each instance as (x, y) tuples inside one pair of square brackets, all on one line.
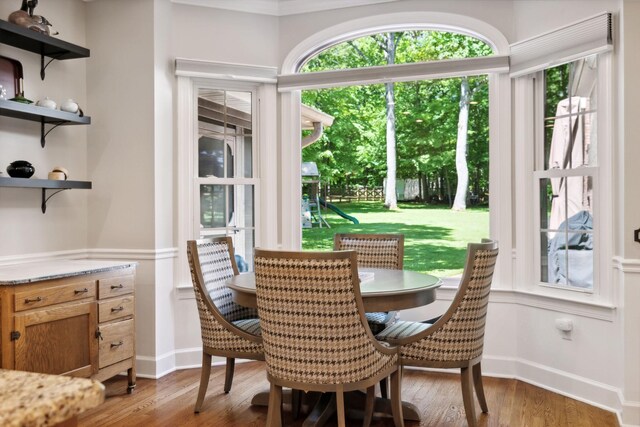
[(630, 414), (583, 389), (191, 358)]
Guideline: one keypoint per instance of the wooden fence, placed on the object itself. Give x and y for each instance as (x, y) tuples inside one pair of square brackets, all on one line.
[(353, 193)]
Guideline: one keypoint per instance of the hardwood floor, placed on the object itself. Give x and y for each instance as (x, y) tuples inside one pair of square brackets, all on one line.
[(169, 402)]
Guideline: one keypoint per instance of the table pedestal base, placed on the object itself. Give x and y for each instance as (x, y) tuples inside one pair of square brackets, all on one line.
[(325, 406)]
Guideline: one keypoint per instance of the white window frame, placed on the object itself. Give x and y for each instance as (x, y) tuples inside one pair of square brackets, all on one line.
[(254, 181), (500, 177), (191, 76), (529, 141)]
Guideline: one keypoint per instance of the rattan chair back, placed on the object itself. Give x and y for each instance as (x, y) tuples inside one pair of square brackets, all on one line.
[(459, 334), (374, 250)]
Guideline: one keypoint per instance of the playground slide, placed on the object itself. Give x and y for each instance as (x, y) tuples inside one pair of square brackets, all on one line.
[(337, 210)]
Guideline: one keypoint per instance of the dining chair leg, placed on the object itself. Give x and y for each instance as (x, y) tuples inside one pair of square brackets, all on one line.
[(228, 378), (205, 372), (384, 388), (368, 406), (466, 375), (477, 383), (396, 398), (296, 398), (340, 405), (274, 412)]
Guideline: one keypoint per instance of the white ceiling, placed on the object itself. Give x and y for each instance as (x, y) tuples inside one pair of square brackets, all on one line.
[(280, 7)]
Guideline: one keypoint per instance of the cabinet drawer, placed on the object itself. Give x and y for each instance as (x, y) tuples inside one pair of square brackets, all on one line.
[(116, 343), (115, 308), (115, 286), (34, 298)]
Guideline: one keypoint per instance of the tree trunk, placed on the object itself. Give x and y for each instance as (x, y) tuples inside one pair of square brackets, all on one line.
[(460, 202), (390, 200)]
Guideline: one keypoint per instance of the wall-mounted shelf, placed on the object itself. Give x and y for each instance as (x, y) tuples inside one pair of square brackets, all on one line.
[(42, 115), (44, 184), (42, 44)]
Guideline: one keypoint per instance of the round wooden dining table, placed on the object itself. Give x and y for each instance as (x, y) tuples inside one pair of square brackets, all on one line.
[(381, 290)]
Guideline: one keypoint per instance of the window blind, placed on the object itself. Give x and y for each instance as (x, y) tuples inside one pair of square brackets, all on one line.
[(224, 71), (394, 73), (583, 38)]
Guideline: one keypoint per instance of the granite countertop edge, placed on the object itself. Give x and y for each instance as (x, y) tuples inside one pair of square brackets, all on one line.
[(32, 399), (34, 279)]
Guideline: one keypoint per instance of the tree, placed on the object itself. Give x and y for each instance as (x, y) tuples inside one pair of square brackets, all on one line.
[(390, 199), (462, 171), (424, 116)]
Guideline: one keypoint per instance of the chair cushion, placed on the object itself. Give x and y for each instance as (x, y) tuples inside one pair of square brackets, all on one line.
[(402, 329), (380, 320), (251, 326)]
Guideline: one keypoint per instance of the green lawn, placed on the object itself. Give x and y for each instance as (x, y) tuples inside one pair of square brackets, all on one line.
[(435, 236)]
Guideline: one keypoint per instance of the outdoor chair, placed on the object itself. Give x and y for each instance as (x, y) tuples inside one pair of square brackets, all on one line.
[(375, 251), (456, 339), (228, 329), (315, 334)]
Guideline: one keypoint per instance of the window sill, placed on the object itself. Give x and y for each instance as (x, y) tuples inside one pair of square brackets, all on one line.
[(591, 309)]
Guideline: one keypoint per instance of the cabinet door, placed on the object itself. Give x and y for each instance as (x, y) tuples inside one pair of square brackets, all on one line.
[(60, 340)]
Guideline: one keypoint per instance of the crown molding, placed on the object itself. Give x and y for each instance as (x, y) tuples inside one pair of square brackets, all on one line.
[(279, 7)]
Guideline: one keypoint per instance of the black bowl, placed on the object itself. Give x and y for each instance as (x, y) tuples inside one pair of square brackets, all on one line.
[(20, 169)]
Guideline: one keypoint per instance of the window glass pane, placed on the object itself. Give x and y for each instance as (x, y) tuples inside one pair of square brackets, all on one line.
[(570, 260), (211, 107), (238, 111), (247, 143), (225, 116), (570, 106), (210, 157), (566, 240), (215, 202), (243, 244), (226, 206), (568, 197), (399, 47)]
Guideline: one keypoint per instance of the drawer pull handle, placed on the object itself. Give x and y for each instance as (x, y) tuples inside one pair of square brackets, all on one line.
[(81, 291), (116, 344), (120, 286), (117, 309), (30, 300)]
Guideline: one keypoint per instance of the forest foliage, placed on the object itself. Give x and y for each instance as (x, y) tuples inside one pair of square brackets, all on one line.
[(353, 150)]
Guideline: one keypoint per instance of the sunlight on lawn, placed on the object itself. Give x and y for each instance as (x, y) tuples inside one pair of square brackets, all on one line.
[(435, 236)]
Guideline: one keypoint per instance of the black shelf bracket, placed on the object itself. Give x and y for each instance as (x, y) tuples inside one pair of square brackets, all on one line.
[(43, 134), (44, 66), (45, 199)]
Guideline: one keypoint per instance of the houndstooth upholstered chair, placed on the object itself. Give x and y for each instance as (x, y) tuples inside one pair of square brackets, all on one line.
[(228, 329), (315, 334), (456, 339), (375, 251)]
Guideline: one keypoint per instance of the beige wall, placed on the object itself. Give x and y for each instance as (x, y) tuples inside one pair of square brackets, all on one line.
[(23, 227)]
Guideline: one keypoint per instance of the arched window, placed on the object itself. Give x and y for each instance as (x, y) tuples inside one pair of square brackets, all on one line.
[(419, 144)]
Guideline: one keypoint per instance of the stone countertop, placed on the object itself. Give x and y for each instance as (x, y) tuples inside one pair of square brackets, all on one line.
[(17, 274), (32, 399)]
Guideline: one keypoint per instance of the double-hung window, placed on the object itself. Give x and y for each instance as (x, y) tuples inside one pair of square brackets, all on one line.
[(563, 157), (225, 183), (566, 172), (226, 149)]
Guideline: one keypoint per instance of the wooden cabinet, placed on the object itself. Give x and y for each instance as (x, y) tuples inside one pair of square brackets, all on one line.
[(116, 329), (81, 326)]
